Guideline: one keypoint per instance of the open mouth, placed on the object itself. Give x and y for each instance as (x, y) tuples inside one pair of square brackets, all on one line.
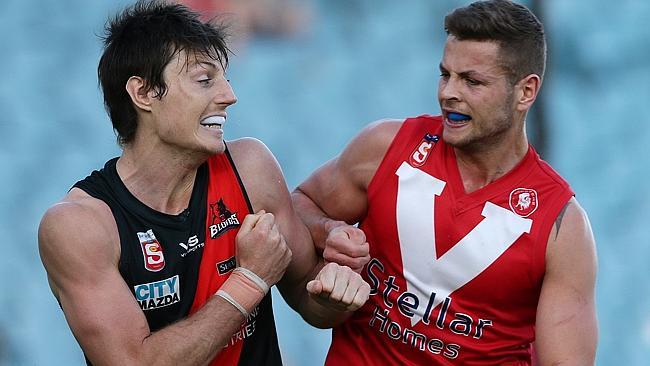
[(457, 119), (214, 122)]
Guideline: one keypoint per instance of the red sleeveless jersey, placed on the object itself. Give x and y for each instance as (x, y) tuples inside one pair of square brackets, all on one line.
[(455, 277), (222, 225), (256, 341)]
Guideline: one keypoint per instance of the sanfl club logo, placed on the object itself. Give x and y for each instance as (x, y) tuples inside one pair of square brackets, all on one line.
[(523, 201), (420, 155), (154, 260)]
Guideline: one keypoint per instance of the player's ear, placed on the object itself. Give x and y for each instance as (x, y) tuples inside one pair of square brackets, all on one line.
[(140, 96), (526, 91)]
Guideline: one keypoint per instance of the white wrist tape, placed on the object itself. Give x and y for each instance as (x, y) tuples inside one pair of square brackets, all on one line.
[(253, 277), (224, 295)]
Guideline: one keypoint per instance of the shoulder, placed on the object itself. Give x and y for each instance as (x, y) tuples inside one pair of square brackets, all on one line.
[(572, 219), (368, 148), (77, 231), (259, 170), (571, 236), (249, 150), (251, 155), (386, 126), (361, 157), (380, 133), (75, 211)]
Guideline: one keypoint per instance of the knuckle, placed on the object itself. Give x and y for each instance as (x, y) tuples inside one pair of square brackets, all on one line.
[(331, 265), (274, 237), (288, 254), (331, 242), (330, 256)]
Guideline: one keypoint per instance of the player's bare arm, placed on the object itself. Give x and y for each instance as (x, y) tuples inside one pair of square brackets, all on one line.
[(345, 177), (79, 247), (566, 327), (335, 290)]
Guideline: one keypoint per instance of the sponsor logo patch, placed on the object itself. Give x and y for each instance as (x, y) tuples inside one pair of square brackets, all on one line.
[(523, 201), (154, 260), (222, 219), (420, 155), (154, 295), (226, 266), (191, 245)]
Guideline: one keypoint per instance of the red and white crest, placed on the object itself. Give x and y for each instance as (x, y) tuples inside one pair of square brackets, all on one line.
[(154, 260), (523, 201), (421, 153)]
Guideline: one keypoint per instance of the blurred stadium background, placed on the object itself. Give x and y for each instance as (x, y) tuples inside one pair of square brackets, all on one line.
[(309, 74)]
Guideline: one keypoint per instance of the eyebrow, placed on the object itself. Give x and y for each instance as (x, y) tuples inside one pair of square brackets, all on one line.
[(471, 74), (466, 74), (206, 64)]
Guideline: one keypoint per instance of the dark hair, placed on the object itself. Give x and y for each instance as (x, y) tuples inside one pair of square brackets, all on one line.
[(517, 30), (141, 41)]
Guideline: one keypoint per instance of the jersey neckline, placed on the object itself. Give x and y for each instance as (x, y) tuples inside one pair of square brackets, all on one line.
[(135, 205)]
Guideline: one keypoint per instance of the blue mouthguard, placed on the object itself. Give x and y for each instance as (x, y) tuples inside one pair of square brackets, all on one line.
[(458, 116)]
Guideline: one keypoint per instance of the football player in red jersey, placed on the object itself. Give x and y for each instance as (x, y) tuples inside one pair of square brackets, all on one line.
[(479, 249)]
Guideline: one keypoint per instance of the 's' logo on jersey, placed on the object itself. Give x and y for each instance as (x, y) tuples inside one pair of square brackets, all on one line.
[(421, 152), (222, 219), (154, 260), (523, 201)]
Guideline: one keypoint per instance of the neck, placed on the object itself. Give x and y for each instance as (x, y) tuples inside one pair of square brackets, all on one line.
[(480, 166), (161, 181)]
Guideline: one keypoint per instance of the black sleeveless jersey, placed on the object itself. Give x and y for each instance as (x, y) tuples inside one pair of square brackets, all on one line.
[(164, 258)]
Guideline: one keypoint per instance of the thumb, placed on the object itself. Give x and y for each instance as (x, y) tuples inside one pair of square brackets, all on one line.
[(314, 287)]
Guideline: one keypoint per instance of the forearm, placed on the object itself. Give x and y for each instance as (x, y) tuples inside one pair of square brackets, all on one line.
[(198, 338), (569, 340), (242, 291), (317, 222), (195, 340)]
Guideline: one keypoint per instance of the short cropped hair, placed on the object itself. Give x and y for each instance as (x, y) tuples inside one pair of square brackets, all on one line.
[(140, 41), (514, 27)]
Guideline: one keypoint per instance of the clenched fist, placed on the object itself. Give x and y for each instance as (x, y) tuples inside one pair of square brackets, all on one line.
[(261, 247), (339, 287), (347, 246)]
